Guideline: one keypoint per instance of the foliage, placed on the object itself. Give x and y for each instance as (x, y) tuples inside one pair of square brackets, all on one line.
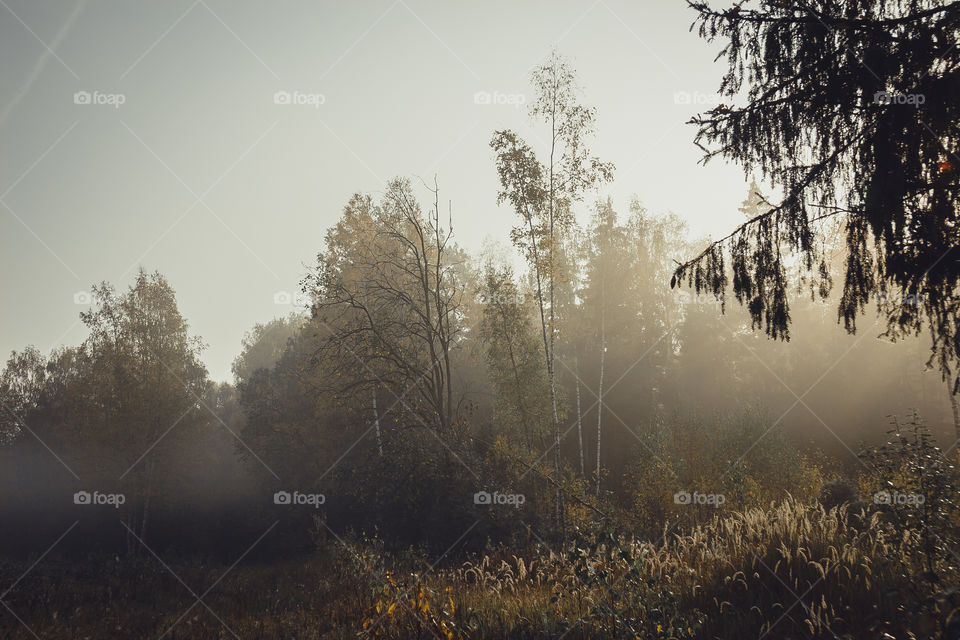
[(851, 109), (513, 361), (915, 486), (386, 299), (263, 346), (410, 609), (423, 385), (542, 194), (737, 458)]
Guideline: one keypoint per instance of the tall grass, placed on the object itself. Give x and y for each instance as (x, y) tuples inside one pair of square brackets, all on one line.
[(791, 570)]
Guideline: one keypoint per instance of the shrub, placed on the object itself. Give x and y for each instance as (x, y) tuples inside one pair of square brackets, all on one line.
[(740, 459)]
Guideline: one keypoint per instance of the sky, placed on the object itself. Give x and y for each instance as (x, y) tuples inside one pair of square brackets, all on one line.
[(216, 140)]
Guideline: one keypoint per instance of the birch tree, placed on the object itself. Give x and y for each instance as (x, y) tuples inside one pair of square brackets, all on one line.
[(542, 193)]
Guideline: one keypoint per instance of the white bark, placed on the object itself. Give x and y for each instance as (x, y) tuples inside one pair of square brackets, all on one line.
[(603, 352), (955, 405), (580, 426), (376, 421)]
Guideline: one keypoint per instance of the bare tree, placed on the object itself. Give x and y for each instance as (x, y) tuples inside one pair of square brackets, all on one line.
[(387, 295)]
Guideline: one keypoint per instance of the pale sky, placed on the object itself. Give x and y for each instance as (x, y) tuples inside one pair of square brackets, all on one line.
[(152, 134)]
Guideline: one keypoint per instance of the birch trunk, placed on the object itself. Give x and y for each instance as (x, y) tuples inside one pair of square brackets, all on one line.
[(603, 353), (580, 426), (376, 422), (955, 405)]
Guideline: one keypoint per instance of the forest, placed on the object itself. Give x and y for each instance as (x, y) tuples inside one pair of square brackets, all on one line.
[(600, 425)]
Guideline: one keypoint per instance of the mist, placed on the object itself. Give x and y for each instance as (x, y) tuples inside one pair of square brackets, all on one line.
[(494, 321)]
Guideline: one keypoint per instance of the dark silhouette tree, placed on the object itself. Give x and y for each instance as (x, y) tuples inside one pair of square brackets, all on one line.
[(852, 110)]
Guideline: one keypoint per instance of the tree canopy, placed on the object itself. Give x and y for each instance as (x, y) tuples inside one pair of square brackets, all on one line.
[(851, 109)]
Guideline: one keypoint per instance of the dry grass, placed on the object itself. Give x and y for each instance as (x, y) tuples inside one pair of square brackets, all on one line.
[(789, 571)]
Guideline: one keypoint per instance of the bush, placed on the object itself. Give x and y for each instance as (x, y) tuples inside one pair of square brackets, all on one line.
[(915, 488), (738, 461)]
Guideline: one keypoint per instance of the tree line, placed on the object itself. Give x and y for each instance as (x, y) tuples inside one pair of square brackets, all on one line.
[(422, 375)]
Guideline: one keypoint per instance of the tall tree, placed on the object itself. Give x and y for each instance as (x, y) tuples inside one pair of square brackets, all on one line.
[(542, 194), (510, 340), (263, 345), (605, 237), (387, 293), (145, 387), (620, 319), (853, 110), (755, 203), (952, 386)]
